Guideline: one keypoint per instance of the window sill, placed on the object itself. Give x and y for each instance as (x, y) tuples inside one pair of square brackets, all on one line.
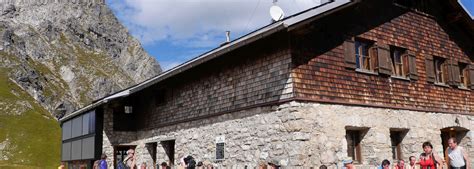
[(400, 78), (463, 88), (366, 72), (441, 84)]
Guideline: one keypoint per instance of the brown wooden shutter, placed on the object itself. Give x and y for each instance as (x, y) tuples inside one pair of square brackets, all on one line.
[(374, 63), (449, 72), (430, 71), (349, 54), (412, 71), (384, 60), (455, 73), (471, 76)]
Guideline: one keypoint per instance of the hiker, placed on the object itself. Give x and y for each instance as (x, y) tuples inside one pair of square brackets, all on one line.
[(400, 164), (262, 164), (274, 164), (103, 161), (457, 157), (385, 164), (412, 164), (130, 160), (207, 164), (348, 164), (143, 166), (62, 166), (428, 159), (96, 164), (164, 165), (190, 163)]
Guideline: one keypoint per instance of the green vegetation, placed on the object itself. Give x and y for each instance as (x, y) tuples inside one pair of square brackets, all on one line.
[(34, 136)]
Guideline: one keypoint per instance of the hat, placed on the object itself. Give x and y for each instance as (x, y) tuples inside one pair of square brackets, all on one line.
[(347, 161), (274, 162)]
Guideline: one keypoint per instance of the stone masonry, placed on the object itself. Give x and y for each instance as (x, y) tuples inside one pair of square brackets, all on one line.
[(297, 134)]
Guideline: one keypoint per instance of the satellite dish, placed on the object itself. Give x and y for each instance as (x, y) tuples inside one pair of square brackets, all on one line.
[(277, 13)]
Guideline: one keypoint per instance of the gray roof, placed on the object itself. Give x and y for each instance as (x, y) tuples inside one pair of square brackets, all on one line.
[(287, 23)]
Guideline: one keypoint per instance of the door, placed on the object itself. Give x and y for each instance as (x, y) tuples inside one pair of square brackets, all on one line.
[(456, 132), (120, 152), (151, 148), (168, 146)]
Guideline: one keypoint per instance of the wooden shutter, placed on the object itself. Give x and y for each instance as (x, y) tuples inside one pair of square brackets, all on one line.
[(412, 71), (471, 76), (430, 71), (454, 73), (349, 54), (384, 60), (449, 72), (374, 64)]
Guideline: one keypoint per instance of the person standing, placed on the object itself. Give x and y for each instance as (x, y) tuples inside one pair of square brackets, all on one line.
[(457, 157), (130, 160), (400, 164), (143, 166), (385, 164), (428, 159), (164, 165), (348, 164), (62, 166), (103, 162), (96, 164), (412, 163)]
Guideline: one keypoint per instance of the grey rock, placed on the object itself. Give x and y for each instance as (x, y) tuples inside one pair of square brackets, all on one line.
[(66, 55)]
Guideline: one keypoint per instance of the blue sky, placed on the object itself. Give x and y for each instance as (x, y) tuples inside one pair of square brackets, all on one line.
[(469, 4), (174, 31)]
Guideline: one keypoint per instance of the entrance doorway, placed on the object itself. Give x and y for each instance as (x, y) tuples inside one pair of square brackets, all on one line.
[(457, 132), (168, 146), (151, 148), (120, 152)]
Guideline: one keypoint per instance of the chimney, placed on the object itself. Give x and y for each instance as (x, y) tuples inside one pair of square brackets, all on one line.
[(227, 38), (227, 35)]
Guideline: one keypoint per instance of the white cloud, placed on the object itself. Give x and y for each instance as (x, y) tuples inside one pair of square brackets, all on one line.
[(198, 23)]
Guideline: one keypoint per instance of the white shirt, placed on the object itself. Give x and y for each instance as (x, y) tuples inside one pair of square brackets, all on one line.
[(456, 157)]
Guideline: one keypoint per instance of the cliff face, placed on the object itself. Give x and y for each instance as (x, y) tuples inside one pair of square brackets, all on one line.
[(57, 56)]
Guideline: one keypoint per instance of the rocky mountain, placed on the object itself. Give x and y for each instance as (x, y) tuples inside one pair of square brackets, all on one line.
[(57, 56)]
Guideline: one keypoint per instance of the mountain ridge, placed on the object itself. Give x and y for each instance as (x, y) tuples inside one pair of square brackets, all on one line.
[(55, 57)]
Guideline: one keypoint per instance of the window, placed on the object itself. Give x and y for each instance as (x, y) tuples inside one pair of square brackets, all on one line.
[(441, 73), (399, 61), (354, 148), (365, 55), (464, 75), (396, 138)]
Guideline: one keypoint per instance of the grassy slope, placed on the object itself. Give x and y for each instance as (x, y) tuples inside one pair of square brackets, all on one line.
[(34, 135)]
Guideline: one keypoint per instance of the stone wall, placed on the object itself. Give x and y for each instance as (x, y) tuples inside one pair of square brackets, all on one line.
[(301, 135), (112, 138)]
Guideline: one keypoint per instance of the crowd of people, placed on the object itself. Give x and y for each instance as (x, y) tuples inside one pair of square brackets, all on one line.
[(456, 158)]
